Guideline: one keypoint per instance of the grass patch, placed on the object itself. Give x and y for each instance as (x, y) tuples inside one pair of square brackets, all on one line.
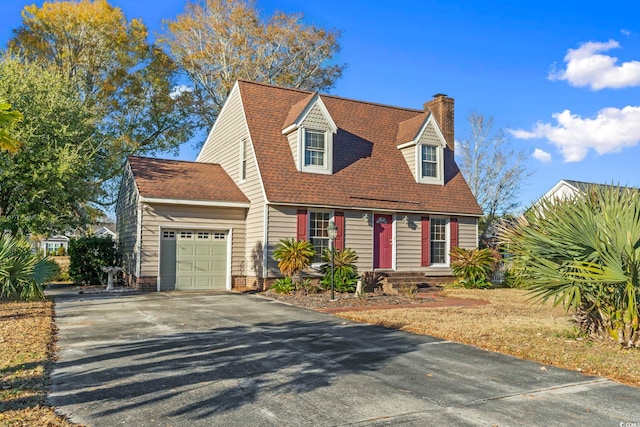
[(26, 352), (513, 325)]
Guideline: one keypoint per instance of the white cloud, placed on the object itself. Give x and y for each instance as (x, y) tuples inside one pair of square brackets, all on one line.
[(541, 155), (625, 32), (179, 90), (610, 131), (586, 66)]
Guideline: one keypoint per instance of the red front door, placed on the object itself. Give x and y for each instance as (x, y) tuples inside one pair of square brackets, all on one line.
[(382, 240)]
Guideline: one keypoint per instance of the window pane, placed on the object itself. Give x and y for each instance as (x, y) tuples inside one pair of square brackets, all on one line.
[(318, 222), (438, 238), (429, 161), (314, 148)]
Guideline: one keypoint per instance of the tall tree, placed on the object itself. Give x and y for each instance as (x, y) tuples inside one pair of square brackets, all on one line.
[(494, 171), (46, 186), (8, 119), (128, 83), (216, 42)]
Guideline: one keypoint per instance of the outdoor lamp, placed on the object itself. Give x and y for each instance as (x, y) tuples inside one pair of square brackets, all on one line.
[(332, 232)]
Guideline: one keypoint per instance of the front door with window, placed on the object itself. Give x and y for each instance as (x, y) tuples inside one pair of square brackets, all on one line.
[(382, 241)]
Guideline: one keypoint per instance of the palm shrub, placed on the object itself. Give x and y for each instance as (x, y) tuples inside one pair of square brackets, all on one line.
[(584, 253), (345, 271), (293, 256), (283, 286), (473, 267), (22, 273)]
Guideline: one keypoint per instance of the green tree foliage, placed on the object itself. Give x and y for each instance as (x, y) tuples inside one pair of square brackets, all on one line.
[(126, 82), (22, 273), (345, 271), (585, 254), (8, 119), (293, 256), (87, 257), (46, 185), (474, 267), (216, 42)]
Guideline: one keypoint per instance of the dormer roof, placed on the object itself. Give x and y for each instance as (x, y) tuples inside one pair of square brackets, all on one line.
[(299, 111)]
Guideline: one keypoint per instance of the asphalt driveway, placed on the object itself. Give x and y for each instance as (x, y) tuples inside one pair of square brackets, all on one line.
[(203, 359)]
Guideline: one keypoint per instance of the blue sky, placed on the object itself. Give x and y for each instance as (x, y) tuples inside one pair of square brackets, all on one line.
[(563, 77)]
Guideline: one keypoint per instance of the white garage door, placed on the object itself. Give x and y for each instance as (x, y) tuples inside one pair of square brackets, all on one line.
[(193, 260)]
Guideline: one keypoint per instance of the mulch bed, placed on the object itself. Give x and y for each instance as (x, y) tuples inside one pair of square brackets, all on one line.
[(371, 301)]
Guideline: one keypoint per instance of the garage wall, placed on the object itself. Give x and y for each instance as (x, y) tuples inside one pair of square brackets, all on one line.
[(193, 217), (127, 222)]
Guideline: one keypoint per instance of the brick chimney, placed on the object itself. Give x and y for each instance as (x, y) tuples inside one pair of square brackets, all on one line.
[(441, 106)]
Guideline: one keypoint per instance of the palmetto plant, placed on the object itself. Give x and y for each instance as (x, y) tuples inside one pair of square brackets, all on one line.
[(293, 256), (22, 273), (473, 268), (584, 253), (345, 271)]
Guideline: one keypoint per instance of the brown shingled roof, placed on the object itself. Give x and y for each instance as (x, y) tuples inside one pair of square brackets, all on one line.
[(175, 179), (369, 171), (408, 130)]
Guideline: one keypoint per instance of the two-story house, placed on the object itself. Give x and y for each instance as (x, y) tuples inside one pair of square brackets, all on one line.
[(281, 163)]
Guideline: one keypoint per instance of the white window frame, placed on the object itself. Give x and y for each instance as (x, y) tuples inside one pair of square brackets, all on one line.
[(447, 241), (327, 167), (331, 216), (439, 178)]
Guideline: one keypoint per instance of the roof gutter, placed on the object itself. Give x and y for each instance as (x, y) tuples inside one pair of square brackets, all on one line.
[(368, 208), (213, 203)]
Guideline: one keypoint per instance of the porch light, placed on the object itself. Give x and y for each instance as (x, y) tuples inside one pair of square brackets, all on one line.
[(332, 232), (365, 217)]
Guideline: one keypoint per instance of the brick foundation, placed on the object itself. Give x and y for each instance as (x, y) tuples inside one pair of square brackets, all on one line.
[(144, 283)]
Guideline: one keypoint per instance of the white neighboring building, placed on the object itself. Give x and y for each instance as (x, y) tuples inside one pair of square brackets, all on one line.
[(567, 188), (51, 244)]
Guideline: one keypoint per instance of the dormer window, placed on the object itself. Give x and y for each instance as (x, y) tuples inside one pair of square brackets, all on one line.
[(429, 163), (310, 129), (314, 148), (430, 166)]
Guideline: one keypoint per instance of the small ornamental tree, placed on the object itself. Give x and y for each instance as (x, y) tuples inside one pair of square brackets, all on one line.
[(87, 257), (293, 256)]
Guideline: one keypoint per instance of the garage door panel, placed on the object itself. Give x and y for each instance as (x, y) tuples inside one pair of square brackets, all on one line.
[(199, 260)]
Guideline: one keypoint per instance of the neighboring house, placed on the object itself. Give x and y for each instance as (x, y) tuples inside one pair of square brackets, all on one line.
[(51, 244), (281, 163), (105, 230), (567, 188)]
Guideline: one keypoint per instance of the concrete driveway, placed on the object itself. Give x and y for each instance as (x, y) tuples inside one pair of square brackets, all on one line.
[(203, 359)]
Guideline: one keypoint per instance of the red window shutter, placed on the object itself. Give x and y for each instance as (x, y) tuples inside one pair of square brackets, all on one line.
[(301, 232), (426, 241), (453, 225), (338, 218)]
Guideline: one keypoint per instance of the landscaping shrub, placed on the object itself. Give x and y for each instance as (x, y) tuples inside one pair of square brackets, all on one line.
[(88, 256), (22, 273), (473, 267), (283, 286), (293, 256), (584, 253), (372, 281), (345, 270)]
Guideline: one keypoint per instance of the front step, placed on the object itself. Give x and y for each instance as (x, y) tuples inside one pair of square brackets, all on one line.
[(404, 280)]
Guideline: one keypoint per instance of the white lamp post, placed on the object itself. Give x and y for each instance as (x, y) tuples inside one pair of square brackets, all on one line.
[(332, 232)]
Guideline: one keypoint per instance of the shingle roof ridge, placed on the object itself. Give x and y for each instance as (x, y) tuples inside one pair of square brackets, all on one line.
[(171, 160), (326, 95)]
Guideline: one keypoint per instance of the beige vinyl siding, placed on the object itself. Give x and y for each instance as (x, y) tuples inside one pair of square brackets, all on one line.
[(315, 120), (283, 223), (293, 138), (127, 222), (223, 147), (409, 154), (467, 237), (429, 136), (155, 216), (408, 243), (359, 236)]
